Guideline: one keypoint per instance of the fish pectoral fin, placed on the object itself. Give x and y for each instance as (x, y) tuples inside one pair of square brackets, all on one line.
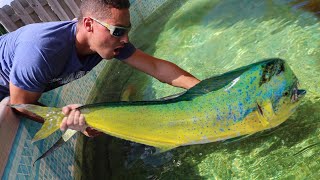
[(263, 120), (68, 134), (260, 110), (265, 112)]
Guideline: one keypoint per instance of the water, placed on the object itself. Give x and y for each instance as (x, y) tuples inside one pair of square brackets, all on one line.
[(210, 37)]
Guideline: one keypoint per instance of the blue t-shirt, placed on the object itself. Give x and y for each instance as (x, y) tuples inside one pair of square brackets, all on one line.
[(42, 56)]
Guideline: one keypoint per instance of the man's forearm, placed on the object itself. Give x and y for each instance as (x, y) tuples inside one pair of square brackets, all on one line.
[(185, 81), (162, 70), (178, 77)]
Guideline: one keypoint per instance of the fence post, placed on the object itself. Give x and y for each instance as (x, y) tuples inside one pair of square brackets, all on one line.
[(37, 7), (6, 21), (21, 12)]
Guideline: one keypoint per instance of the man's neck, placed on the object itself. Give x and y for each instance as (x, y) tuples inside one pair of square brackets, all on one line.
[(82, 45)]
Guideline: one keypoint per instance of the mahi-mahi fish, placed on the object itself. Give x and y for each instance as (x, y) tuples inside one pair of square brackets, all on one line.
[(241, 102)]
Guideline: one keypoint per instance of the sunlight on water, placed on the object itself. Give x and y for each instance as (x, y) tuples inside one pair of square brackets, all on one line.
[(229, 35), (210, 37)]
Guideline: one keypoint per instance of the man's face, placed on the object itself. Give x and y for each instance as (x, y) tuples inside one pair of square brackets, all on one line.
[(105, 44)]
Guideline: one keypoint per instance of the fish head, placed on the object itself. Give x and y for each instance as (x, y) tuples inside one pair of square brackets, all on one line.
[(281, 94)]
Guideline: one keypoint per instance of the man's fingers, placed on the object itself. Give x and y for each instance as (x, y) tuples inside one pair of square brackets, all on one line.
[(70, 118), (67, 109), (76, 118), (74, 106), (81, 120), (63, 125)]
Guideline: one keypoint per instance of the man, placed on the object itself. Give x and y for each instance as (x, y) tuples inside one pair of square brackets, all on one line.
[(39, 57)]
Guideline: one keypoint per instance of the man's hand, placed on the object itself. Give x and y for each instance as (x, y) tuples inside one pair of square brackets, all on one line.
[(76, 121)]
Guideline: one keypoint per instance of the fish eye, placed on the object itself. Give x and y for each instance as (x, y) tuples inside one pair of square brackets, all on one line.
[(286, 93)]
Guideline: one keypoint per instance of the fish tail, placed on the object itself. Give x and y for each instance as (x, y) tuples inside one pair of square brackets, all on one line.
[(52, 118)]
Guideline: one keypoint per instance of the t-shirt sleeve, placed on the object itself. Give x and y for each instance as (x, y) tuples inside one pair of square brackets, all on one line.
[(30, 70), (126, 51)]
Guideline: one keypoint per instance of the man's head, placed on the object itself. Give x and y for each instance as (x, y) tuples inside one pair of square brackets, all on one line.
[(100, 9), (105, 25)]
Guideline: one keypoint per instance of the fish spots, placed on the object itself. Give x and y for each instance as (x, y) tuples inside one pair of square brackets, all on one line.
[(195, 119), (247, 112), (218, 117), (248, 97), (232, 114), (241, 107), (252, 79)]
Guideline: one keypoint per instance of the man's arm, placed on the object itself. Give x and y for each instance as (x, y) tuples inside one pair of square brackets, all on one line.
[(21, 96), (164, 71)]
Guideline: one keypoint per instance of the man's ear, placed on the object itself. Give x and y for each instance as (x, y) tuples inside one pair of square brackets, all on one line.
[(87, 23)]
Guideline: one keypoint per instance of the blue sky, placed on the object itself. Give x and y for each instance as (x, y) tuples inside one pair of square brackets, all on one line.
[(4, 2)]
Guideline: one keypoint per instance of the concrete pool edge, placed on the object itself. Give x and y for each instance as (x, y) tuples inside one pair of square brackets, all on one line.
[(9, 124)]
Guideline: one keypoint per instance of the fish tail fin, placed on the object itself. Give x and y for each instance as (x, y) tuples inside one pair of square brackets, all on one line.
[(52, 118)]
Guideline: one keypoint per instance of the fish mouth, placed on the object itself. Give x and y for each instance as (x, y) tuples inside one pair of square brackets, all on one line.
[(297, 94)]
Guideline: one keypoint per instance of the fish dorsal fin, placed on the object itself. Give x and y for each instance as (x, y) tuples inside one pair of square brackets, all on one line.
[(171, 96), (217, 82), (214, 83)]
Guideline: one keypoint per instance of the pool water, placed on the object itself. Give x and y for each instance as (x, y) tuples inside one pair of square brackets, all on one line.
[(207, 38)]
